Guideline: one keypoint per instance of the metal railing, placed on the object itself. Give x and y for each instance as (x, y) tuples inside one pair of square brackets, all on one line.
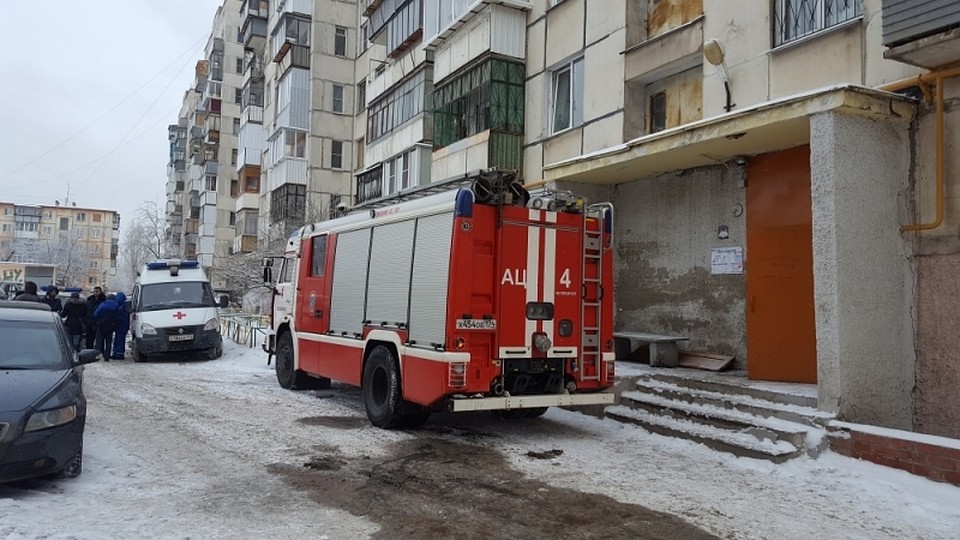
[(245, 328)]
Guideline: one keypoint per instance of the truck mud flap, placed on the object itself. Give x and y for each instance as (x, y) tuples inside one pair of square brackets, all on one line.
[(528, 402)]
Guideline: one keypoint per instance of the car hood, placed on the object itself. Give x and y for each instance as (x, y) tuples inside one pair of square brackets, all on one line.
[(20, 388)]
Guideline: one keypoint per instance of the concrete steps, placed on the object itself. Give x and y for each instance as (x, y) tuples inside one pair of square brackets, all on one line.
[(732, 415)]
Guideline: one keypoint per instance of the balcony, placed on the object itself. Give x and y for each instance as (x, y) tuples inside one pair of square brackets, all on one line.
[(292, 56), (192, 226), (255, 8), (247, 201), (211, 167), (301, 7), (370, 184), (253, 69), (287, 171), (245, 243), (249, 157), (208, 198), (923, 33), (253, 33), (252, 114)]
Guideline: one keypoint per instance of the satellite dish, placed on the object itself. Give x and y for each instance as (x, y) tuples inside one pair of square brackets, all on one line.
[(713, 52)]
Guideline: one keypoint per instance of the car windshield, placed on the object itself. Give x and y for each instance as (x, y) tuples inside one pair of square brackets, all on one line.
[(176, 295), (28, 345)]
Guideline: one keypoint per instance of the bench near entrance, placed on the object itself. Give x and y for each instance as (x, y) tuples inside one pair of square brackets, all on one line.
[(663, 349)]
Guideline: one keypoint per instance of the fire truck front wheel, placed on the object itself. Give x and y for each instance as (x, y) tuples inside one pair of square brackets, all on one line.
[(287, 375)]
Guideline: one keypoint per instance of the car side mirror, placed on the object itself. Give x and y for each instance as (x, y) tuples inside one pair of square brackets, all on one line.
[(128, 306), (88, 356)]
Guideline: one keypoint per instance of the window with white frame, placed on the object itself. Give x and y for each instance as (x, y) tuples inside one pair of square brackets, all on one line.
[(795, 19), (338, 98), (567, 96), (295, 143)]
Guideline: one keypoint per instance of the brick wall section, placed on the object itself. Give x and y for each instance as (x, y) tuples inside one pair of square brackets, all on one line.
[(935, 462)]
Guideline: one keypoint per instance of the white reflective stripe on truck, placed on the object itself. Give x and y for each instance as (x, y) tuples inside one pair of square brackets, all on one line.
[(528, 402)]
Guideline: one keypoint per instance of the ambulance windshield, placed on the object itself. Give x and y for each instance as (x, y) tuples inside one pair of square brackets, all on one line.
[(189, 294)]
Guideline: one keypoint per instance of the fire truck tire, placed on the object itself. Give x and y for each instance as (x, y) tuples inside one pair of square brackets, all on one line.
[(382, 392), (289, 377), (535, 412)]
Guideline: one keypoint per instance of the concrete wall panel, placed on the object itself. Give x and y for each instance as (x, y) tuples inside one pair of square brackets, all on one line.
[(603, 133), (565, 32), (800, 67), (937, 406), (600, 93), (665, 230)]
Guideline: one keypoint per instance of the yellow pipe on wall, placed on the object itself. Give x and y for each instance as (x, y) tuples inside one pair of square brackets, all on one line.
[(921, 81)]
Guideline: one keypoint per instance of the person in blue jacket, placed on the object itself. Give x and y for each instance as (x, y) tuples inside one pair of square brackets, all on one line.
[(106, 319), (50, 299), (123, 326)]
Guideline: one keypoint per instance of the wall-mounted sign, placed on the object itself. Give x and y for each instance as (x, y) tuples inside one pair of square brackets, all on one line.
[(727, 260)]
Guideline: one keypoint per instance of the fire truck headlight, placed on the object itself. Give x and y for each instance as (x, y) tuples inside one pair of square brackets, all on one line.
[(148, 330), (212, 324)]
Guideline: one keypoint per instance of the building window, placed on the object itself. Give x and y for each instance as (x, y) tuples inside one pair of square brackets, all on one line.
[(398, 105), (238, 95), (233, 156), (488, 96), (295, 143), (340, 41), (364, 41), (233, 219), (94, 248), (47, 214), (567, 96), (96, 233), (361, 96), (211, 182), (239, 67), (338, 98), (64, 224), (47, 230), (658, 112), (81, 216), (236, 126), (336, 155), (97, 218), (795, 19), (288, 202)]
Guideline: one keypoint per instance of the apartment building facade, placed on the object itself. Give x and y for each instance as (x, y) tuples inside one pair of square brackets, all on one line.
[(82, 243), (779, 175)]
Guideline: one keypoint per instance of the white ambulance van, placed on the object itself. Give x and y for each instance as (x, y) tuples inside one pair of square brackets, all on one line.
[(174, 309)]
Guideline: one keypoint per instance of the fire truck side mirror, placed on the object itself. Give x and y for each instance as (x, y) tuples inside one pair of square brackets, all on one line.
[(267, 275)]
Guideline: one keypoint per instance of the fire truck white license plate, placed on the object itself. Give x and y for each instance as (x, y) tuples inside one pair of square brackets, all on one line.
[(476, 324), (181, 337)]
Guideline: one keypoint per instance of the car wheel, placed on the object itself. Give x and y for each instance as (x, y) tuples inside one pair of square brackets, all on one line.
[(382, 393), (215, 352), (74, 467)]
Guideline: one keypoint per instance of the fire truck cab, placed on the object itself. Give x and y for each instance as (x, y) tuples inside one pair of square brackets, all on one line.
[(477, 298)]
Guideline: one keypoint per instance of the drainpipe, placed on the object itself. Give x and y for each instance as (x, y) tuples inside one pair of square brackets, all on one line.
[(922, 81)]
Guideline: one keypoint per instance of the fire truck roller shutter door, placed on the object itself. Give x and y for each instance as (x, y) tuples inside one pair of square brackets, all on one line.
[(349, 282), (429, 283), (390, 265)]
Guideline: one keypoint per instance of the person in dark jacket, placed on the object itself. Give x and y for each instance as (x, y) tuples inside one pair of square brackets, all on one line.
[(74, 312), (90, 324), (123, 326), (29, 293), (106, 319), (51, 299)]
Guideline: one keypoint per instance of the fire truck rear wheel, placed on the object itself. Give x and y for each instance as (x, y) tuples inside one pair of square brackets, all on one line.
[(536, 412), (382, 393)]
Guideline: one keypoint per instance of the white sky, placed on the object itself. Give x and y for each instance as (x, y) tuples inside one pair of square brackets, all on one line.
[(87, 90)]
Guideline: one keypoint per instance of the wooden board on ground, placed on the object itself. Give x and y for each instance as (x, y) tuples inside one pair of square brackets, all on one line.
[(705, 361)]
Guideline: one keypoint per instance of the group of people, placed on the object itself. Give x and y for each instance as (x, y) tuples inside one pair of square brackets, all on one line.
[(100, 322)]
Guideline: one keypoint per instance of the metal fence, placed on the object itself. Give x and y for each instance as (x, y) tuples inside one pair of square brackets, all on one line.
[(245, 328)]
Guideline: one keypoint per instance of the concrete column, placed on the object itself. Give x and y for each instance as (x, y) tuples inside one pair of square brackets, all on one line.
[(865, 344)]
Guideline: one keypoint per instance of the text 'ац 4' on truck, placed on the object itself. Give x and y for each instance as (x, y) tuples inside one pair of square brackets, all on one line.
[(478, 296)]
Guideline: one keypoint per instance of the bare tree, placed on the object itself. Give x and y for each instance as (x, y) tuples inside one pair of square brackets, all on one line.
[(143, 240), (67, 251)]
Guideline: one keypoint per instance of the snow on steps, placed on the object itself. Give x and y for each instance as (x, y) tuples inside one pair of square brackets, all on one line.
[(744, 420)]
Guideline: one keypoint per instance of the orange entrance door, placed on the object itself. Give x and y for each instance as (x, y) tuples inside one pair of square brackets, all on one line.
[(781, 335)]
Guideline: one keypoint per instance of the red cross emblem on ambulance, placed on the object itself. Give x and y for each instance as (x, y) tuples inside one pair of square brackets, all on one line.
[(179, 315)]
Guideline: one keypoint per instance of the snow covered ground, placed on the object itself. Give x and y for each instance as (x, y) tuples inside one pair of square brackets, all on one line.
[(142, 480)]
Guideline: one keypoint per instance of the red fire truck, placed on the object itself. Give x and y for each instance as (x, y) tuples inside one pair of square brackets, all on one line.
[(481, 297)]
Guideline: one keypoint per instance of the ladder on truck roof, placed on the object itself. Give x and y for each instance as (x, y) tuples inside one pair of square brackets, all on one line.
[(591, 315), (440, 186)]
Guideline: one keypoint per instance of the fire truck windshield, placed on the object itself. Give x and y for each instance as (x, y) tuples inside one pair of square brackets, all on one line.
[(180, 295)]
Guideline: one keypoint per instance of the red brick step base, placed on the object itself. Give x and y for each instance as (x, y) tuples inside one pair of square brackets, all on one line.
[(936, 458)]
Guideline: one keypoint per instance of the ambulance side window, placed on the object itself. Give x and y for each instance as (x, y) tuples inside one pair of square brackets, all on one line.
[(318, 263)]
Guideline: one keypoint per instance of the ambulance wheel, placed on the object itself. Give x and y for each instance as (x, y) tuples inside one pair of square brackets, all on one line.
[(382, 393), (215, 352)]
